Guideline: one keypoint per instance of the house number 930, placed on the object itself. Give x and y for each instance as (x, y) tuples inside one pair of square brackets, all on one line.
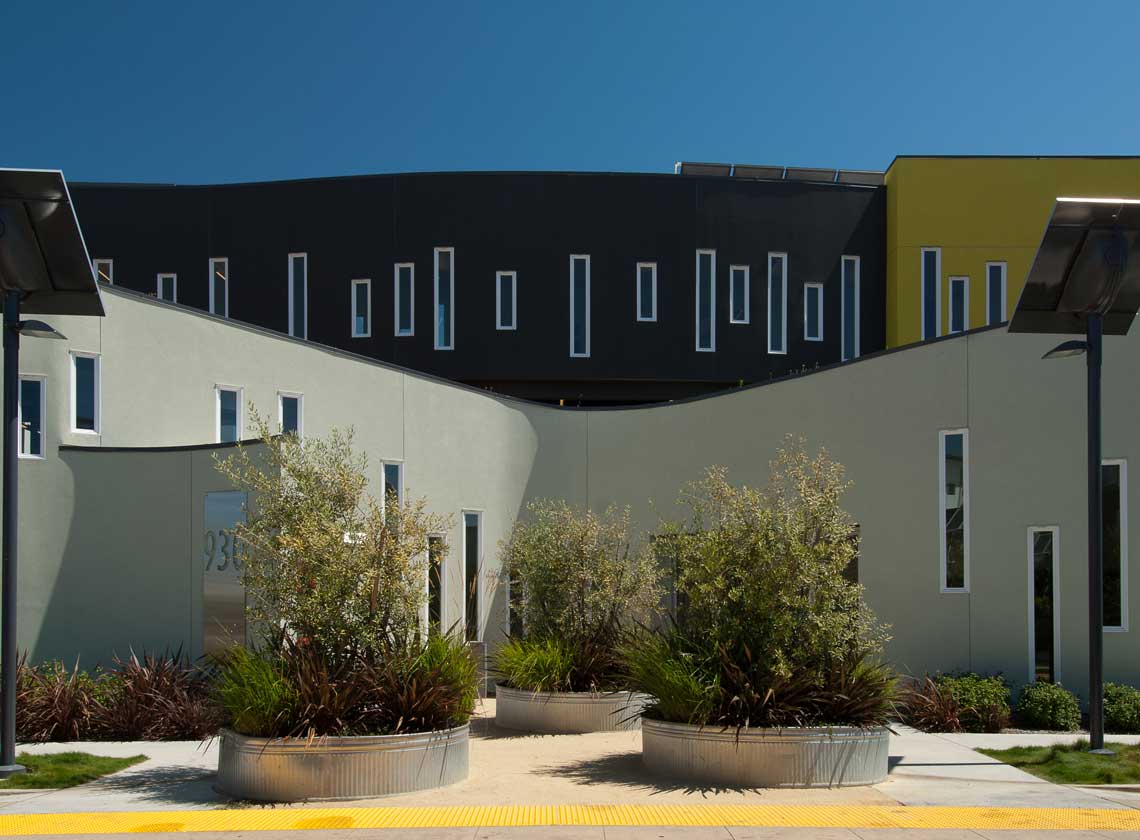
[(219, 552)]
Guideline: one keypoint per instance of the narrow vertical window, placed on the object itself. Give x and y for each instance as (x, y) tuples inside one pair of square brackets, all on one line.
[(506, 299), (298, 295), (32, 411), (514, 609), (219, 281), (472, 545), (290, 413), (954, 512), (813, 311), (580, 305), (84, 392), (167, 287), (228, 407), (104, 271), (361, 308), (647, 291), (404, 285), (1114, 510), (706, 301), (777, 303), (393, 484), (1044, 568), (995, 292), (849, 318), (931, 292), (738, 292), (435, 582), (444, 298), (959, 304)]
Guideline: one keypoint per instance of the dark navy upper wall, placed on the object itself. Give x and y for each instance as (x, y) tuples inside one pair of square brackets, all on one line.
[(358, 227)]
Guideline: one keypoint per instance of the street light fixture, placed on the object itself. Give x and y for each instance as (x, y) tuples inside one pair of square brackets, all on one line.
[(1085, 279), (44, 270)]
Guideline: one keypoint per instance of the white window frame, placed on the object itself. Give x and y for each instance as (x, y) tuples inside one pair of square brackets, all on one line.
[(451, 302), (499, 275), (573, 322), (937, 291), (965, 281), (712, 300), (411, 330), (281, 397), (479, 608), (1123, 464), (360, 281), (942, 587), (158, 286), (304, 294), (40, 378), (819, 310), (843, 307), (218, 388), (74, 354), (399, 465), (1004, 271), (783, 351), (652, 266), (1029, 532), (210, 271), (110, 275), (732, 269)]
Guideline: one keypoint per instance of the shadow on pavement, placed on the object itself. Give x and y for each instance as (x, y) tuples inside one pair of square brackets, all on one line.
[(187, 785), (627, 769)]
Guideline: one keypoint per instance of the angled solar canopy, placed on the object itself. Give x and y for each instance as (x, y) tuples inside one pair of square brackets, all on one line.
[(42, 254), (1088, 262)]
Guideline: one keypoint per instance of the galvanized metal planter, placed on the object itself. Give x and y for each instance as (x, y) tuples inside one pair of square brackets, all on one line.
[(838, 756), (567, 712), (293, 769)]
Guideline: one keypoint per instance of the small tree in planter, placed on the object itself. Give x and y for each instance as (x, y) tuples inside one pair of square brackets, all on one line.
[(335, 589), (773, 633), (576, 583)]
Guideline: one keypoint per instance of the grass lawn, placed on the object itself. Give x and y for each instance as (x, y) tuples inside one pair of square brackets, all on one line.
[(1073, 765), (66, 769)]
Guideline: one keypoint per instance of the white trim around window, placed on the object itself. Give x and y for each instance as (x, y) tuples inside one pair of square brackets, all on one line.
[(989, 282), (291, 395), (733, 270), (782, 348), (924, 302), (304, 257), (212, 273), (942, 435), (42, 381), (514, 322), (584, 351), (97, 396), (856, 295), (410, 329), (964, 282), (1055, 530), (439, 344), (652, 268), (1122, 463), (173, 287), (479, 605), (818, 288), (710, 314), (232, 389), (104, 270), (367, 331)]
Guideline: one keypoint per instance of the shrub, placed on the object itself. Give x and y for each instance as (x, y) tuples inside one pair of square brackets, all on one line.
[(255, 694), (959, 703), (53, 703), (1044, 705), (577, 583), (772, 632), (1121, 708)]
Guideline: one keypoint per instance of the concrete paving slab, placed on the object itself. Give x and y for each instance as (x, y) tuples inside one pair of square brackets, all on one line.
[(739, 833), (672, 833), (917, 834)]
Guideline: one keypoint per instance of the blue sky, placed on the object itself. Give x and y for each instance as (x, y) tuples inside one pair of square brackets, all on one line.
[(203, 92)]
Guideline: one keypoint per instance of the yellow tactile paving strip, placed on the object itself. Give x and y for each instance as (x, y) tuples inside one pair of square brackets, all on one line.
[(769, 816)]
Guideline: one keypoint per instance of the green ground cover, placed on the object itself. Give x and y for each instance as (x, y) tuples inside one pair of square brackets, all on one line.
[(66, 769), (1072, 764)]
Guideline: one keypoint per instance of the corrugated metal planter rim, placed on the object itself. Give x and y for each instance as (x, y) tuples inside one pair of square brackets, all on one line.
[(351, 767), (567, 712), (837, 756)]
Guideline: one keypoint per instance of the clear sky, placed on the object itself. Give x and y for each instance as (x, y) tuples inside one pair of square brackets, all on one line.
[(216, 92)]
